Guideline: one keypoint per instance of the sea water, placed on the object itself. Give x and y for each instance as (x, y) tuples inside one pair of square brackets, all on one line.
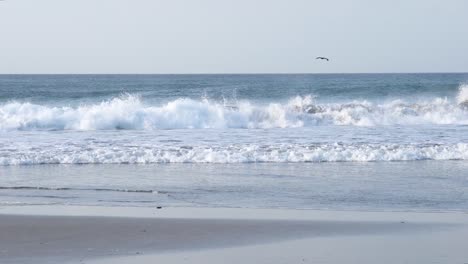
[(322, 141)]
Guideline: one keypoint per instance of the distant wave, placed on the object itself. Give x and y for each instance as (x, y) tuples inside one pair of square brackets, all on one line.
[(248, 153), (128, 112)]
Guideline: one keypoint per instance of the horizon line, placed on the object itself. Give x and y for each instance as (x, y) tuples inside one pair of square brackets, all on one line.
[(242, 73)]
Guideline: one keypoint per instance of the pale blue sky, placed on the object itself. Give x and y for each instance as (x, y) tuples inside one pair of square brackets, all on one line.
[(237, 36)]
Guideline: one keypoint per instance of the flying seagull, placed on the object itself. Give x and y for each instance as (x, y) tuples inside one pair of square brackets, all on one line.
[(322, 58)]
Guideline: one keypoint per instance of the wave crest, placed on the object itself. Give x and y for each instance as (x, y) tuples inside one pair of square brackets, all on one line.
[(462, 97)]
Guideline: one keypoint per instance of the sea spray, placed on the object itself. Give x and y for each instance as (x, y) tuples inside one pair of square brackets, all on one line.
[(462, 97)]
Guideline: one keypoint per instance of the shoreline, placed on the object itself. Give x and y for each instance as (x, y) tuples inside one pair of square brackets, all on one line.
[(200, 212), (89, 234)]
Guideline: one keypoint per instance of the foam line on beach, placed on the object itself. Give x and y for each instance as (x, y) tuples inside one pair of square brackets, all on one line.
[(239, 153)]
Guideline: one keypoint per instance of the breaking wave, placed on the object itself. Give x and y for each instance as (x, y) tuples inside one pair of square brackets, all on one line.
[(462, 97), (130, 113)]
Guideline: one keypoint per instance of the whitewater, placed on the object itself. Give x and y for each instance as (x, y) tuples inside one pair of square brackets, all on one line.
[(130, 112), (128, 128), (321, 141)]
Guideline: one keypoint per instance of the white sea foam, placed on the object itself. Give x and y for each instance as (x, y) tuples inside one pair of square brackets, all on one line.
[(72, 154), (130, 112), (462, 97)]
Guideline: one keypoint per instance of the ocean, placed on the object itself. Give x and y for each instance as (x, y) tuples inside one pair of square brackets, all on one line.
[(304, 141)]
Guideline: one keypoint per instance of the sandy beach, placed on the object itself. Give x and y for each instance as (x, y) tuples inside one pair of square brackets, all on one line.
[(233, 132), (72, 234)]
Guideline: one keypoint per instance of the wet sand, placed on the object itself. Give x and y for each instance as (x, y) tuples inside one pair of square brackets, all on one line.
[(72, 234)]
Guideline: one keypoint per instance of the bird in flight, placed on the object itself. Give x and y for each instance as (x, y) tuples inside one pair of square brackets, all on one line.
[(322, 58)]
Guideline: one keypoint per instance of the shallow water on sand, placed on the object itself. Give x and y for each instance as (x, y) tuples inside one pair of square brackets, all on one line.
[(420, 185)]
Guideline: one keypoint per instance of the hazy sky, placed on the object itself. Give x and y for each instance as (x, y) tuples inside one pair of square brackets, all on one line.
[(232, 36)]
